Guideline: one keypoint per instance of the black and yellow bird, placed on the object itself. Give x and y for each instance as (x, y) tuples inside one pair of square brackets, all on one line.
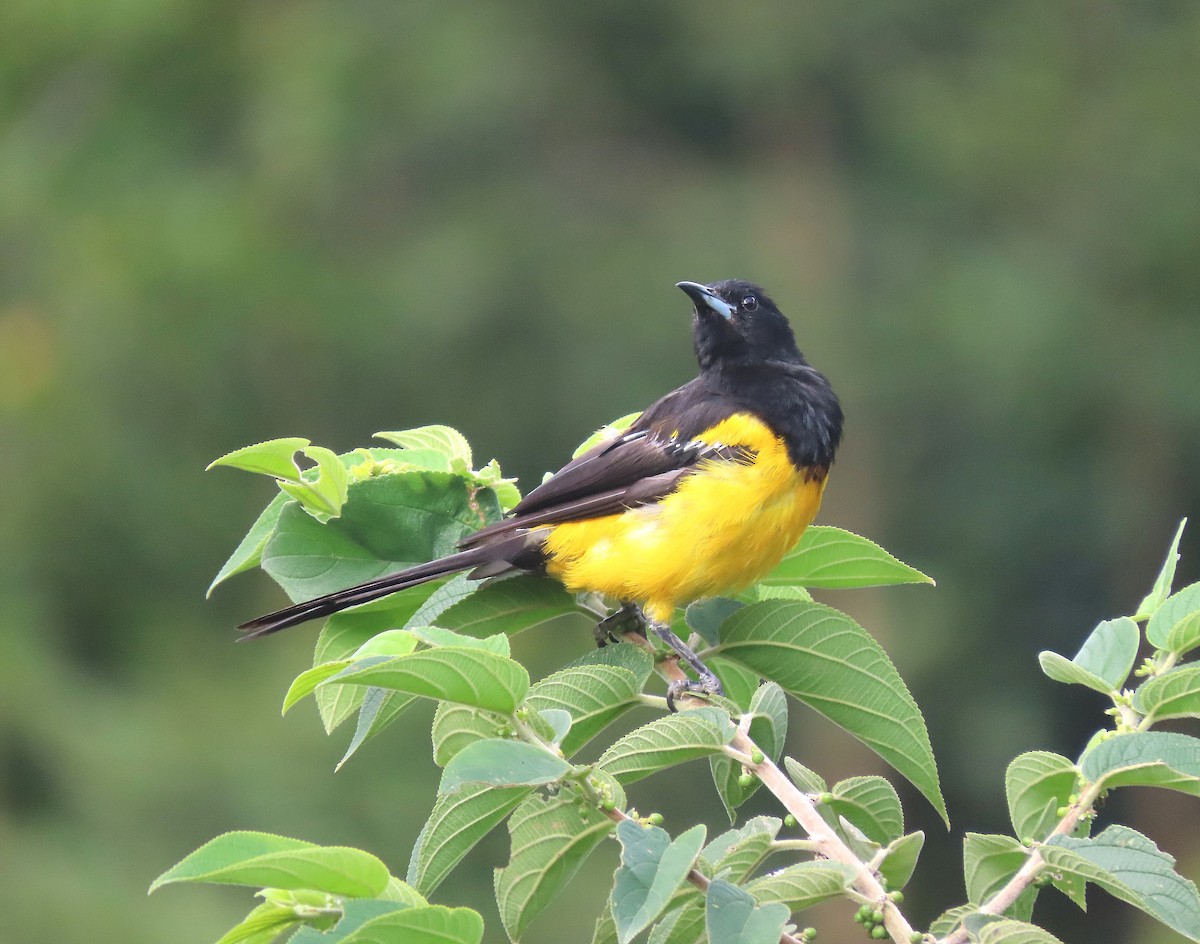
[(702, 495)]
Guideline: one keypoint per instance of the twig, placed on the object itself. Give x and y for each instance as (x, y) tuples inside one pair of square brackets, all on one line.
[(694, 876), (1004, 898), (827, 842)]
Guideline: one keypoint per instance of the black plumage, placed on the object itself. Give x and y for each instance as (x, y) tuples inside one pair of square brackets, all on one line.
[(749, 363)]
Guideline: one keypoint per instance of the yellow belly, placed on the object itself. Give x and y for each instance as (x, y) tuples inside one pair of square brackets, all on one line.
[(726, 526)]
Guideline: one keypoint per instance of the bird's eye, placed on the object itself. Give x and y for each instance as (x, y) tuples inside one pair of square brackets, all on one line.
[(749, 303)]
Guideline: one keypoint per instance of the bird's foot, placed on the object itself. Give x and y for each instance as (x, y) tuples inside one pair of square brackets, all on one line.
[(628, 619), (706, 684)]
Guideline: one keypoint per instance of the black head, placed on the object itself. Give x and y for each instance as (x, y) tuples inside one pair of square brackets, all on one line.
[(736, 324)]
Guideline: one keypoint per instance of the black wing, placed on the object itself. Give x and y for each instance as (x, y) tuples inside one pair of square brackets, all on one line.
[(642, 466)]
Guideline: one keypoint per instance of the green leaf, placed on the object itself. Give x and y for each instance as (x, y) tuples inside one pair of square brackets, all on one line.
[(391, 642), (667, 741), (732, 916), (1104, 661), (948, 921), (609, 431), (428, 924), (436, 636), (652, 868), (354, 915), (551, 838), (682, 925), (988, 863), (1130, 867), (1149, 759), (379, 709), (1061, 669), (557, 719), (343, 635), (306, 682), (605, 931), (456, 726), (323, 496), (1162, 585), (473, 677), (443, 439), (594, 697), (807, 780), (829, 662), (400, 891), (1174, 610), (516, 604), (1173, 695), (388, 523), (781, 592), (623, 656), (871, 804), (739, 682), (1184, 635), (829, 558), (706, 616), (275, 457), (502, 762), (1008, 931), (1037, 784), (901, 859), (248, 553), (261, 859), (261, 926), (1110, 650), (735, 854), (803, 885), (768, 729), (457, 823)]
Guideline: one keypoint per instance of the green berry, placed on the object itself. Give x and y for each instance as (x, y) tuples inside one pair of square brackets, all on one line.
[(862, 914), (897, 897), (877, 916), (655, 819), (1061, 812), (916, 937), (809, 934), (745, 780), (756, 756), (879, 932), (789, 820)]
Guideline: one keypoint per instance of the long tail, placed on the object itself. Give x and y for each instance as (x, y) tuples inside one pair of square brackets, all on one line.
[(365, 592)]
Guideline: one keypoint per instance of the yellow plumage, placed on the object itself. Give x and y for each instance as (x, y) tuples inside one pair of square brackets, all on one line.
[(726, 525)]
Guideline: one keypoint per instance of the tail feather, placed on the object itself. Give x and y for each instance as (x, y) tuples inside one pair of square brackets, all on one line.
[(364, 593)]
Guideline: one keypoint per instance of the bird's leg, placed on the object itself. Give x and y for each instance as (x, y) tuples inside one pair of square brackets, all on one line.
[(707, 684), (628, 619)]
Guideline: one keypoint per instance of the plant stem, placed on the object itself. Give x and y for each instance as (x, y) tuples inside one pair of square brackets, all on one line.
[(824, 839), (794, 845), (1004, 898)]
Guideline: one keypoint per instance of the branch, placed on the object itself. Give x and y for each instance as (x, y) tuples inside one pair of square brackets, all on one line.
[(827, 842), (1004, 898), (695, 876)]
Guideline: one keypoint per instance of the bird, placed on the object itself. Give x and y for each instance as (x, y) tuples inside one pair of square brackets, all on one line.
[(701, 496)]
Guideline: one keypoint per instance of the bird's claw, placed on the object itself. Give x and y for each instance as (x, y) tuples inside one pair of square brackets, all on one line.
[(627, 619), (707, 684)]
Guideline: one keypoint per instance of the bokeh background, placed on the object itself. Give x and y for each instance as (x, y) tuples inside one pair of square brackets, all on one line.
[(222, 222)]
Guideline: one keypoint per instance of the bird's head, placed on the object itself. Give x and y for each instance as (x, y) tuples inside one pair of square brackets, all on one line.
[(736, 324)]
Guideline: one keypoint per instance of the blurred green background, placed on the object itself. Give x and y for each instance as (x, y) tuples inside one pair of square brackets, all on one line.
[(222, 222)]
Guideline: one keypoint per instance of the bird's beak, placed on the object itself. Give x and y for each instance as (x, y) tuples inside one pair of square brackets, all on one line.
[(702, 295)]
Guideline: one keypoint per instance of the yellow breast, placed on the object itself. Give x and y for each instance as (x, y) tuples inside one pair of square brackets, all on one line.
[(727, 525)]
